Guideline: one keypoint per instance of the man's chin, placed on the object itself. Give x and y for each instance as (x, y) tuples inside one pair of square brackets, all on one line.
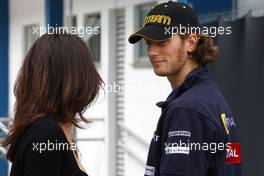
[(160, 73)]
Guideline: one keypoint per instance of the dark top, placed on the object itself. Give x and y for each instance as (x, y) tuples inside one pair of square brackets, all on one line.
[(196, 134), (43, 150)]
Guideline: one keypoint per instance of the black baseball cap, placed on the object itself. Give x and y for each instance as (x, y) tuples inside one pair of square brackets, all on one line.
[(163, 17)]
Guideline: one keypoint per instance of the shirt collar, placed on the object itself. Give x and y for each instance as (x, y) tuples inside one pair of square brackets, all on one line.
[(187, 83)]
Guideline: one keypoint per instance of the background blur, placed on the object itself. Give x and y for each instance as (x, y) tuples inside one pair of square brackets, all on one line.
[(125, 116)]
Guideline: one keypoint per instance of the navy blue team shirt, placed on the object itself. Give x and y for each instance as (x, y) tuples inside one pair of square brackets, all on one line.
[(196, 134)]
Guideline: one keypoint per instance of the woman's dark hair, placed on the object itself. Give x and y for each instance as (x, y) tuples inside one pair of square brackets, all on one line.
[(205, 51), (57, 80)]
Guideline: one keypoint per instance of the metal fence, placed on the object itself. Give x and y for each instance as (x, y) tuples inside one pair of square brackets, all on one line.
[(4, 123)]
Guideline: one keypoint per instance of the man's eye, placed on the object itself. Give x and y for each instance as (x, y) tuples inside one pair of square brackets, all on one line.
[(163, 42)]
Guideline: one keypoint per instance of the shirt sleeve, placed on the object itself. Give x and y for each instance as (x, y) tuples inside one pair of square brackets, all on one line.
[(43, 156), (189, 145)]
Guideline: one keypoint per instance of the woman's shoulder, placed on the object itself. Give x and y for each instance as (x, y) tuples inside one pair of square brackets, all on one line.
[(41, 131)]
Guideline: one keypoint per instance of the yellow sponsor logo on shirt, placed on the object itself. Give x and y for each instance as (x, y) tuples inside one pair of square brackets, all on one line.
[(160, 19), (223, 117)]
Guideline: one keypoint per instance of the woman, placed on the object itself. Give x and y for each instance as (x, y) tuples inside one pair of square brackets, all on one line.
[(55, 85)]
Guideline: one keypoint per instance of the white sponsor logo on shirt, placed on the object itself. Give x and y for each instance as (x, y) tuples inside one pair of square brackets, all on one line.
[(150, 170), (180, 133), (156, 137), (174, 150)]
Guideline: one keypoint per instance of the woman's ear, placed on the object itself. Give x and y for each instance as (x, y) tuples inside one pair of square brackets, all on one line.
[(192, 41)]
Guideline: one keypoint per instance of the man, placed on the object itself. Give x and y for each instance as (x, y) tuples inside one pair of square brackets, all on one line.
[(196, 134)]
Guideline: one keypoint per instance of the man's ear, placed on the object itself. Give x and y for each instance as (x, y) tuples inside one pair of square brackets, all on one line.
[(192, 41)]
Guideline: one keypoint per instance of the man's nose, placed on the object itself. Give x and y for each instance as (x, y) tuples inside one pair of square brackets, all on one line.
[(153, 50)]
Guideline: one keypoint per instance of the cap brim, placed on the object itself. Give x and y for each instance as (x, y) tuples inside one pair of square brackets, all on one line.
[(151, 32)]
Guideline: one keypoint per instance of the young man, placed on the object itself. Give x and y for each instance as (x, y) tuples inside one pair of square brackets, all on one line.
[(196, 134)]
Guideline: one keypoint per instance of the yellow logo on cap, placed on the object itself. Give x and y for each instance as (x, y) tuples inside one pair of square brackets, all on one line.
[(223, 117), (161, 19)]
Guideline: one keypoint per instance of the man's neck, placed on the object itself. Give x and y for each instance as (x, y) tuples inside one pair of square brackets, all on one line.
[(177, 79)]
